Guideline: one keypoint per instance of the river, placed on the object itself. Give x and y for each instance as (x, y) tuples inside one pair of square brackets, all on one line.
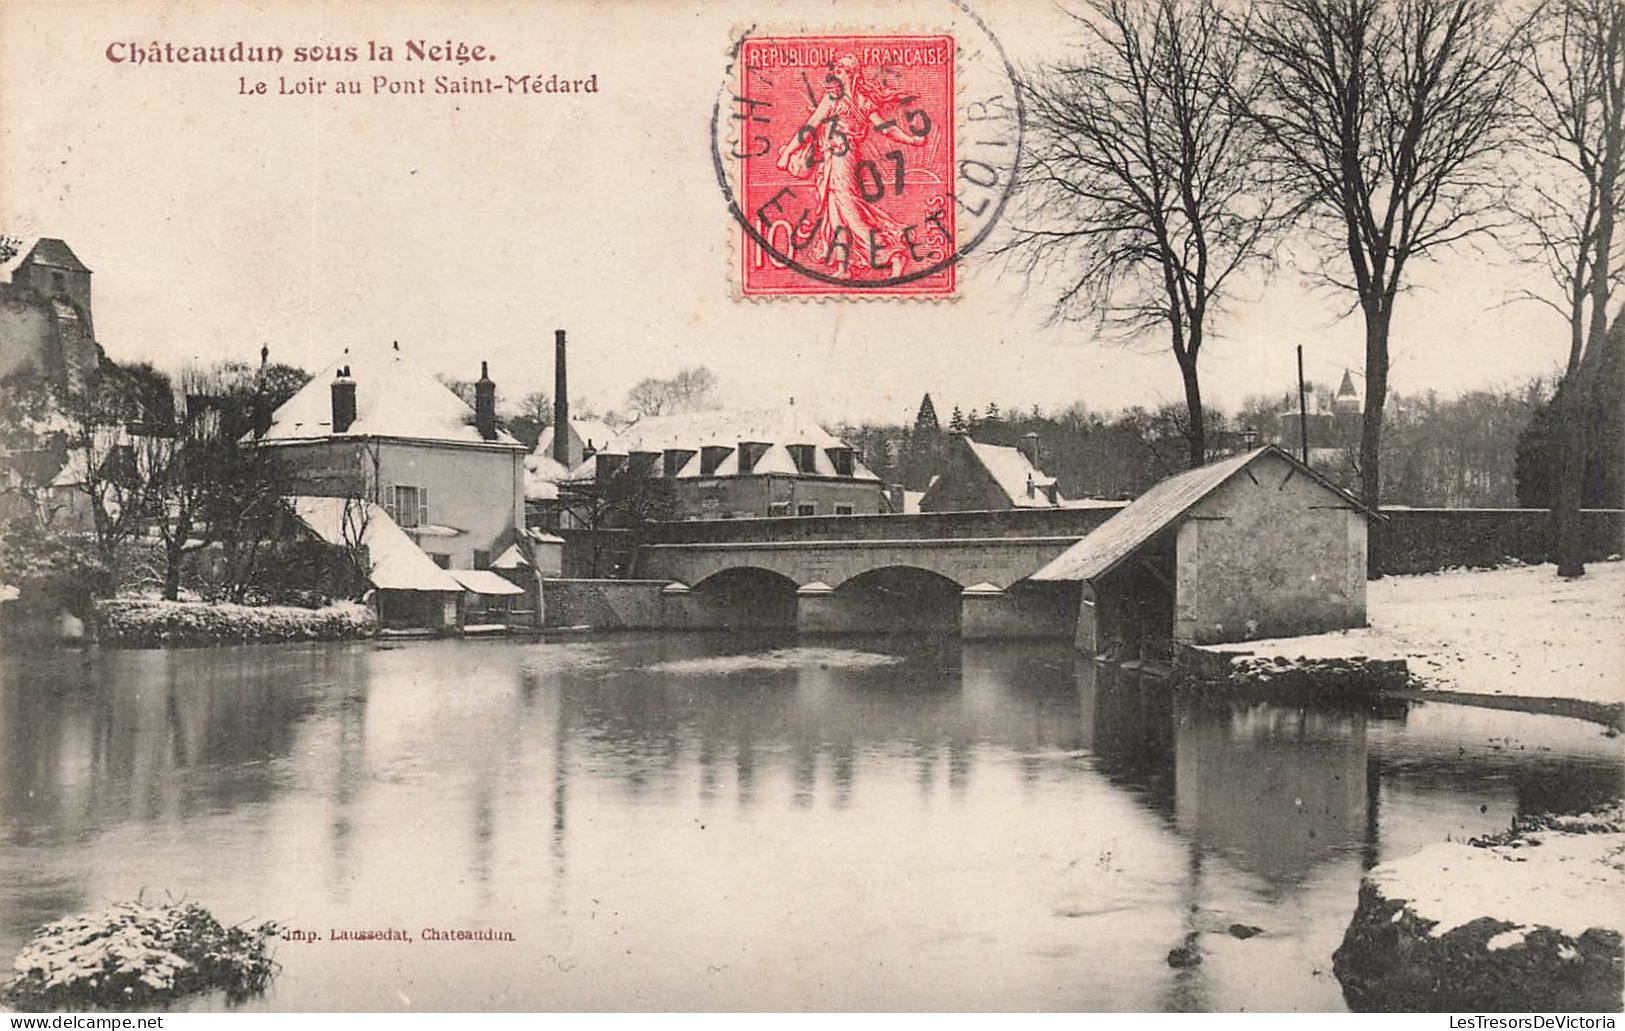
[(741, 822)]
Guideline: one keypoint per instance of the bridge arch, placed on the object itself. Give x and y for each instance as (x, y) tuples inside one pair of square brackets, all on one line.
[(899, 599), (743, 597)]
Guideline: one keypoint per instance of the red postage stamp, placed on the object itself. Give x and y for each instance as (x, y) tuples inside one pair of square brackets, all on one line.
[(846, 165)]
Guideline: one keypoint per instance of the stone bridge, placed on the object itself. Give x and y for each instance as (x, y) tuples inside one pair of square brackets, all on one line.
[(846, 574)]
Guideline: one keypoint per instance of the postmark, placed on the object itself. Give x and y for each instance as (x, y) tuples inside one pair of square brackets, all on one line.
[(864, 163)]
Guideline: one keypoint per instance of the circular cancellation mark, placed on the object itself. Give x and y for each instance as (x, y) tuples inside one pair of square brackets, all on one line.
[(865, 162)]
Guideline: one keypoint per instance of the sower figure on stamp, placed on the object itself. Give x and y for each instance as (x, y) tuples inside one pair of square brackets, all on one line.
[(829, 148)]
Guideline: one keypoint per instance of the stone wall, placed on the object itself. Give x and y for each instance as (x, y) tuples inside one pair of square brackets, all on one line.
[(1269, 554), (1421, 540), (604, 604)]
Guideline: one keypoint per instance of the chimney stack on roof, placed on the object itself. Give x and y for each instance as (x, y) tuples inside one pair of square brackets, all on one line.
[(343, 400), (561, 404), (485, 404)]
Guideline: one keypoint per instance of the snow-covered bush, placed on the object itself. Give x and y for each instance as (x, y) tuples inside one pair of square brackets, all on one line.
[(146, 623), (133, 955)]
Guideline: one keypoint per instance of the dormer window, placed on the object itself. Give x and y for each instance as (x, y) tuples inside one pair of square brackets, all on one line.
[(751, 452), (841, 459), (711, 457), (805, 456)]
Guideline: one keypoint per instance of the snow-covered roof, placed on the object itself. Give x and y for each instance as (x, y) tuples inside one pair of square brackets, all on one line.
[(593, 433), (398, 564), (393, 398), (1025, 486), (511, 558), (725, 428), (483, 581)]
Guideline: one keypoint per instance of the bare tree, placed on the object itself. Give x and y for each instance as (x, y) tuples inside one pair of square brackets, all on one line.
[(1140, 187), (1570, 205), (691, 390), (355, 520), (1386, 121), (101, 453)]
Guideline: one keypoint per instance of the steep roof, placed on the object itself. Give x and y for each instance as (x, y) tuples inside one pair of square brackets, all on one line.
[(1012, 471), (725, 428), (54, 253), (1155, 510), (593, 433), (1346, 388), (398, 564), (393, 398)]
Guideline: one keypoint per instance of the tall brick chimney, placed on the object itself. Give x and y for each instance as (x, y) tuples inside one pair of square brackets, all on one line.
[(343, 400), (561, 403), (485, 404)]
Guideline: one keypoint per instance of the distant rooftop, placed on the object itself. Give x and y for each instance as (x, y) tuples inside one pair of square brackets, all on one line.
[(1025, 485), (54, 253)]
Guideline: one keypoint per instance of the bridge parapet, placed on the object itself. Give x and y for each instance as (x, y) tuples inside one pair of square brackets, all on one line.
[(1013, 522), (1000, 561)]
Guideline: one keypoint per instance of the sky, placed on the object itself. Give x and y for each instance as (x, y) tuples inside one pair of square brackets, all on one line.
[(470, 228)]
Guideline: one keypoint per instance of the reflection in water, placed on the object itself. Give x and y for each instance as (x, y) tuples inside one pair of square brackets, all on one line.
[(977, 826)]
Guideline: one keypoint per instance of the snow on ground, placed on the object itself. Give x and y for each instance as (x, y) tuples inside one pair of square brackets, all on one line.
[(1568, 882), (1515, 631)]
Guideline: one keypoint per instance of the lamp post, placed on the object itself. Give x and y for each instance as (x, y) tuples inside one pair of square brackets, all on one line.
[(1303, 412)]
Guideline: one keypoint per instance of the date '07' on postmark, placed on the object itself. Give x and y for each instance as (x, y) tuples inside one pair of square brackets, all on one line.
[(845, 151)]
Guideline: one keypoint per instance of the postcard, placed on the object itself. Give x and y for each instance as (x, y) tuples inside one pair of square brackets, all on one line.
[(941, 505)]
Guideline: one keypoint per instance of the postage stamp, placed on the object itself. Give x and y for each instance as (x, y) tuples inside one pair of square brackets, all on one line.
[(848, 163), (864, 164)]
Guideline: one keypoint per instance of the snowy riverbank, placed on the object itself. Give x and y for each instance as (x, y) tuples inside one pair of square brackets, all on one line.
[(1526, 920), (1521, 631)]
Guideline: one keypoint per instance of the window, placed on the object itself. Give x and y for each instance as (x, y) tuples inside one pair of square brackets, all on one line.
[(482, 559), (806, 458), (443, 561), (806, 508), (843, 509), (778, 508), (841, 459), (411, 507)]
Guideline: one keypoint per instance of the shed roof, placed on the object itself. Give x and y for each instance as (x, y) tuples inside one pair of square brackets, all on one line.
[(393, 398), (1155, 510), (398, 564)]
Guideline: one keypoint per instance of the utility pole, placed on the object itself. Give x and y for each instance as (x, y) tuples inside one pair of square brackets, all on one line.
[(1303, 411)]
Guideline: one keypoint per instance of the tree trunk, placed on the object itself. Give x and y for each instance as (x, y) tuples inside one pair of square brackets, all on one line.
[(1571, 448), (1196, 434), (172, 573), (1376, 392)]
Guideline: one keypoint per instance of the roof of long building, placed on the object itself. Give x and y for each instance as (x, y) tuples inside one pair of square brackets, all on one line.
[(694, 432)]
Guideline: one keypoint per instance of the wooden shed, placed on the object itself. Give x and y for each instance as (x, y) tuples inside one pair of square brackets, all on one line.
[(1253, 546)]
